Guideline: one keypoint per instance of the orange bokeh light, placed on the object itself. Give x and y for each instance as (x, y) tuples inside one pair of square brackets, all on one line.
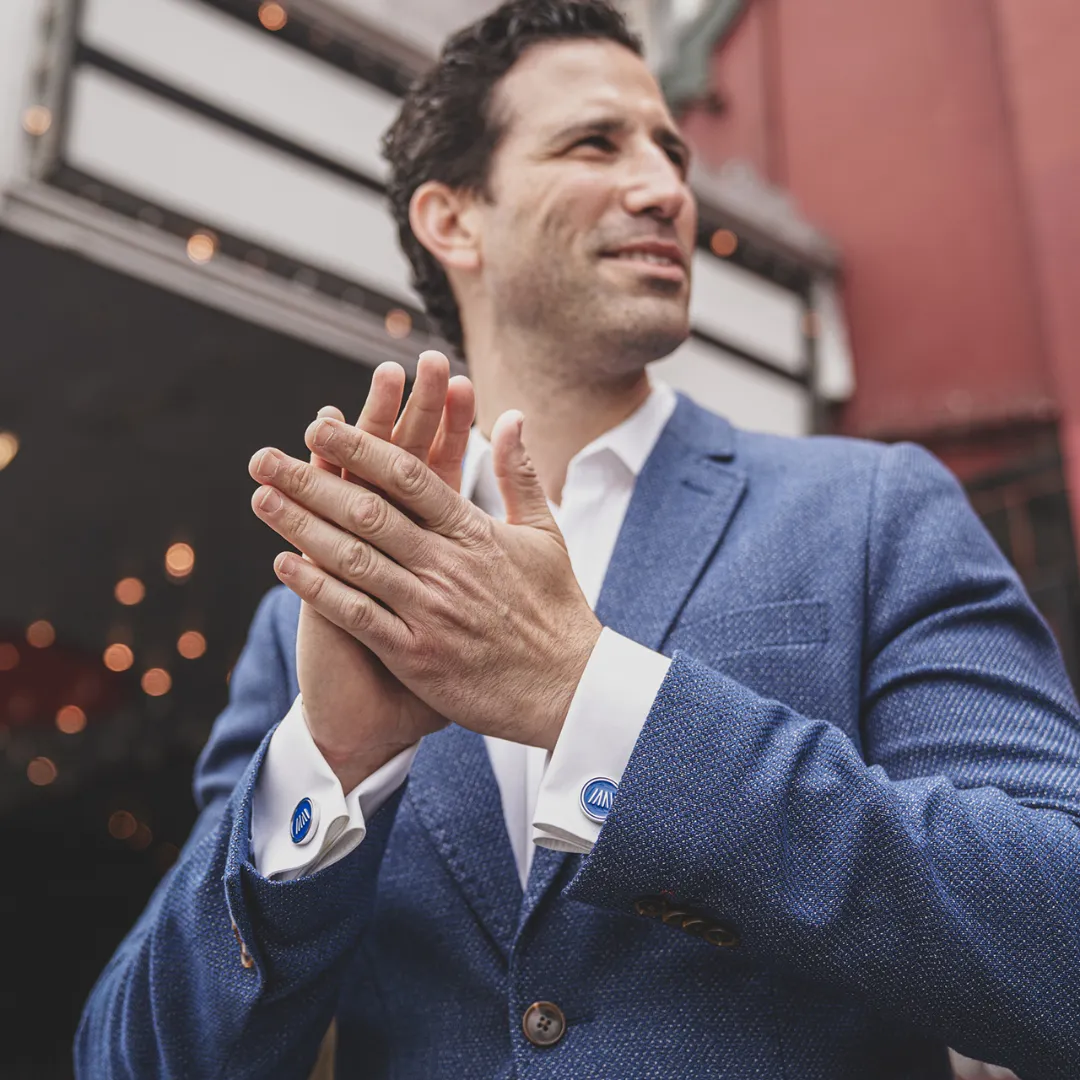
[(9, 656), (156, 681), (41, 634), (130, 591), (142, 836), (118, 657), (724, 243), (71, 720), (122, 825), (41, 772), (37, 120), (273, 16), (191, 645), (180, 560), (398, 323), (201, 247)]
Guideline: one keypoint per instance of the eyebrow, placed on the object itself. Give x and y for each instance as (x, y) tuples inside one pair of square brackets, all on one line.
[(663, 136)]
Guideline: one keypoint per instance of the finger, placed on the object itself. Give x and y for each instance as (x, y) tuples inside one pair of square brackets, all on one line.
[(383, 400), (407, 481), (452, 438), (416, 429), (526, 503), (350, 559), (364, 513), (357, 614), (318, 462)]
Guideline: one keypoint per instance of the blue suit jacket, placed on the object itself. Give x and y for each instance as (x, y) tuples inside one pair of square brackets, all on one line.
[(864, 761)]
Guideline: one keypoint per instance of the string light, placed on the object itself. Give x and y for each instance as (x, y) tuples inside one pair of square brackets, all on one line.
[(122, 825), (398, 323), (37, 120), (272, 16), (130, 591), (41, 772), (179, 560), (724, 243), (9, 656), (9, 447), (71, 720), (141, 838), (191, 645), (201, 247), (156, 682), (118, 657), (41, 634)]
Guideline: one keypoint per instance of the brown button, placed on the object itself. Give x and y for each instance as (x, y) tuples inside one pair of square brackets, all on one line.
[(675, 916), (245, 957), (695, 925), (651, 906), (721, 936), (543, 1023)]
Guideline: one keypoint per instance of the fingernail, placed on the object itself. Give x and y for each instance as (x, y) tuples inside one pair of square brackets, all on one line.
[(285, 564), (323, 433), (270, 502), (267, 464)]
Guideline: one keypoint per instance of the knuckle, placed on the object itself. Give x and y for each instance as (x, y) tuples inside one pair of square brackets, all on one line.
[(358, 614), (302, 480), (369, 515), (358, 560), (409, 474)]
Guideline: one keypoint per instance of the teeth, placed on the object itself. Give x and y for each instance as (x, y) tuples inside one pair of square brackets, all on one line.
[(649, 257)]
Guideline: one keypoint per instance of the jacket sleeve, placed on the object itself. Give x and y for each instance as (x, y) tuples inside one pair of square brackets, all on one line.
[(934, 876), (227, 974)]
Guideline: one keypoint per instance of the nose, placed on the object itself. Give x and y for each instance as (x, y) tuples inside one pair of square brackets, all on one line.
[(655, 185)]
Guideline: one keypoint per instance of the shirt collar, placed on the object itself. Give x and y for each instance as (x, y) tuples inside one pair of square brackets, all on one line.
[(631, 442)]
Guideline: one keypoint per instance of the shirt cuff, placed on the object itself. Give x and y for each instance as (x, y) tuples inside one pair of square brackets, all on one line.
[(607, 713), (294, 771)]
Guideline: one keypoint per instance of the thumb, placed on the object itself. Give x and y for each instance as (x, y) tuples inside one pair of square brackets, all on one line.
[(519, 485)]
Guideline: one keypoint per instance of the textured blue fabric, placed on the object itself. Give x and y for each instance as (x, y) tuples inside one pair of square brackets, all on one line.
[(865, 758)]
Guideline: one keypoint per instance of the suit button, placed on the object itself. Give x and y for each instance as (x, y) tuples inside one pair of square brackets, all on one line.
[(675, 916), (695, 925), (721, 935), (651, 906), (543, 1023)]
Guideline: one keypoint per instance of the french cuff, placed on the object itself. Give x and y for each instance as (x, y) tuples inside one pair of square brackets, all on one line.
[(607, 713), (301, 820)]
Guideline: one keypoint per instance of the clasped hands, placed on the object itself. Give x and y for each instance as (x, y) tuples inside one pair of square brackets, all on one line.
[(418, 607)]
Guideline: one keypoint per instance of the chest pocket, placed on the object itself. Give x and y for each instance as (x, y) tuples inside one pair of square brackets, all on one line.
[(724, 634)]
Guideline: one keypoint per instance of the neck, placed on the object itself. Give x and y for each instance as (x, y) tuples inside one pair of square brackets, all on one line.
[(565, 407)]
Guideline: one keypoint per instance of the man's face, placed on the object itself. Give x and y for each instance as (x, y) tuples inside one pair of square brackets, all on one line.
[(590, 229)]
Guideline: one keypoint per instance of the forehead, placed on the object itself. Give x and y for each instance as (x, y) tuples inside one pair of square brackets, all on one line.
[(559, 82)]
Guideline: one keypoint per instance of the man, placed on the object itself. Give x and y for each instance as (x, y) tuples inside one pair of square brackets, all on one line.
[(811, 803)]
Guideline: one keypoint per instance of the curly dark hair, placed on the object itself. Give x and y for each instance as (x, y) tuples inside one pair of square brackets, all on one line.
[(446, 130)]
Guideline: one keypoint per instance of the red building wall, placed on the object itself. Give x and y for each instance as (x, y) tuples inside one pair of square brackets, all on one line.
[(938, 144)]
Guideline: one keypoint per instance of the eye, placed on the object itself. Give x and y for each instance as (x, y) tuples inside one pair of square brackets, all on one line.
[(600, 142), (678, 159)]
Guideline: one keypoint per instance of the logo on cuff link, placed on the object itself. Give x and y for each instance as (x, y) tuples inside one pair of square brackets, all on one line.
[(305, 820), (597, 796)]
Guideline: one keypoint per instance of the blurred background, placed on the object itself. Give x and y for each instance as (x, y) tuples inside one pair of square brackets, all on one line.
[(195, 256)]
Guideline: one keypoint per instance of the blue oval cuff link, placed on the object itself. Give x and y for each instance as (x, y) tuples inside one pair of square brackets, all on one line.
[(597, 797), (305, 820)]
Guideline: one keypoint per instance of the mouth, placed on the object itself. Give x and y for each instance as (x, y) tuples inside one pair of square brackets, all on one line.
[(656, 259)]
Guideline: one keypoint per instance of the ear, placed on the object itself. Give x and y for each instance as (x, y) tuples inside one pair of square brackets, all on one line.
[(445, 222)]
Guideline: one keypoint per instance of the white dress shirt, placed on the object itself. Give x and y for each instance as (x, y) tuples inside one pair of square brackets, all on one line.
[(540, 793)]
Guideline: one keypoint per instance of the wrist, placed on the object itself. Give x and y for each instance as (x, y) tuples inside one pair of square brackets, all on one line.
[(574, 661), (352, 765)]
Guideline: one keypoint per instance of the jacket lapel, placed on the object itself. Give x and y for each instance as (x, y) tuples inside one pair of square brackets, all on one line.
[(454, 793), (683, 502)]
